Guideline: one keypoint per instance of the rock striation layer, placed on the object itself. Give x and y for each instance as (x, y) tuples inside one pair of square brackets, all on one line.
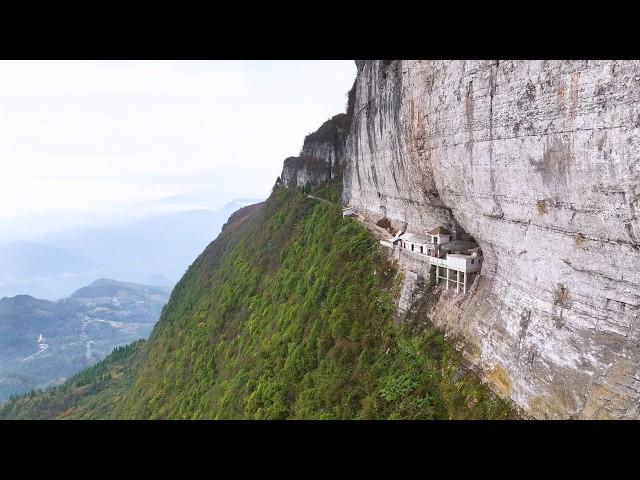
[(321, 155), (540, 162)]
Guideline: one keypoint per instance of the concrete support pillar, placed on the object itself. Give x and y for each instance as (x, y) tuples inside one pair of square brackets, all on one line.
[(447, 278), (437, 274), (457, 281), (464, 289)]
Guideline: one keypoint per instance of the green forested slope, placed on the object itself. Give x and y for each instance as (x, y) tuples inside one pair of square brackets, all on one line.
[(290, 317), (288, 314)]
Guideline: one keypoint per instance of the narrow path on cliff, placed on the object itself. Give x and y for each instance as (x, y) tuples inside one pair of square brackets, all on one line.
[(378, 232), (321, 199)]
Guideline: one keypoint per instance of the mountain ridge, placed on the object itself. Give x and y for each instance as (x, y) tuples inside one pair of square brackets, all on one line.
[(156, 249), (287, 314)]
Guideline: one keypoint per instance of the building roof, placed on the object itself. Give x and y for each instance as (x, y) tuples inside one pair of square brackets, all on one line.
[(440, 231), (416, 238), (459, 246), (398, 235)]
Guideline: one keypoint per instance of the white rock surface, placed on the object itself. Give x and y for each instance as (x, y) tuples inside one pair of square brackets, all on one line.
[(540, 162)]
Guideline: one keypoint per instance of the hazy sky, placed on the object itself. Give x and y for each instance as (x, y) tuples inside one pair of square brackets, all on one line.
[(87, 140)]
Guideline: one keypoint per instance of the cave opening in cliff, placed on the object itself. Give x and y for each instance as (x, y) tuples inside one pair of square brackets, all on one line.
[(453, 255)]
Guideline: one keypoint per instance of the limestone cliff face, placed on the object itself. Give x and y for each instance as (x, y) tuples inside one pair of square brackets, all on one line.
[(540, 162), (298, 171), (320, 157)]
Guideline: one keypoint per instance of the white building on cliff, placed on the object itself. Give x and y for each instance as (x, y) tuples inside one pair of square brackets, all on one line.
[(457, 262)]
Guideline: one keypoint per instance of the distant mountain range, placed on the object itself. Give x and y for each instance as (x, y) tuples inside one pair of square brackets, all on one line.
[(156, 251), (44, 342), (43, 270)]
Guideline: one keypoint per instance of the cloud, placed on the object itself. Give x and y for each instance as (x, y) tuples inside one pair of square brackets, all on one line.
[(80, 137)]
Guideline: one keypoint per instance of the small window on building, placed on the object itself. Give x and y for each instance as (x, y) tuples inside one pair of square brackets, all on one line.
[(472, 261)]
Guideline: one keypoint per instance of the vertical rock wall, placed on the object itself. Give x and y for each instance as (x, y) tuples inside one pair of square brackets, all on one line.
[(320, 157), (540, 162)]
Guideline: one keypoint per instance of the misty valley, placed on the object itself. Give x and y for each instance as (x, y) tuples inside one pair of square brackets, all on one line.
[(58, 311)]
